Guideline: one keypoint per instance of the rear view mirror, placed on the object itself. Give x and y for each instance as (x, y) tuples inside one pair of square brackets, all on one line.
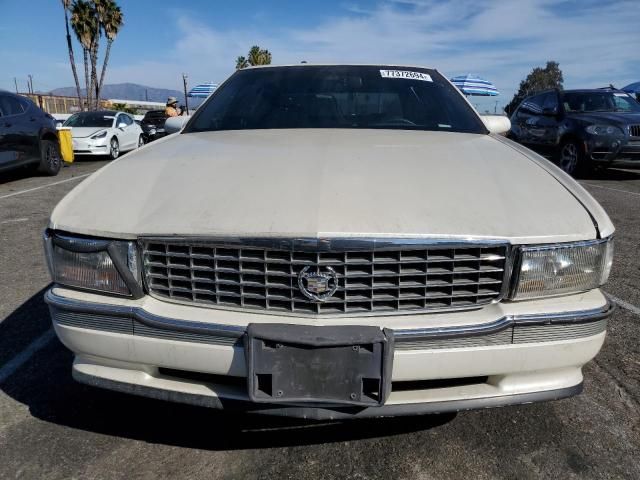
[(496, 123), (175, 124)]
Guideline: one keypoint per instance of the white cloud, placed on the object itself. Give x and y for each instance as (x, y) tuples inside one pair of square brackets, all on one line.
[(595, 42)]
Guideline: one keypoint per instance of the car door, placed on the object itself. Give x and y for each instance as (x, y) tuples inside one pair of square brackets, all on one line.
[(548, 123), (128, 132), (18, 134), (518, 130), (530, 127)]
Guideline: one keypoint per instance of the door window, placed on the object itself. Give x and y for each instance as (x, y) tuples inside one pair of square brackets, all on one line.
[(126, 119), (534, 104), (10, 106), (550, 102)]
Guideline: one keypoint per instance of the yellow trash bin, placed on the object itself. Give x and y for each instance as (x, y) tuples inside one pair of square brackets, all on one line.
[(66, 144)]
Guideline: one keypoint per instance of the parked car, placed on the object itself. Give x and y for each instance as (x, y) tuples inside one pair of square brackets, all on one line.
[(153, 125), (330, 242), (580, 129), (104, 132), (27, 136)]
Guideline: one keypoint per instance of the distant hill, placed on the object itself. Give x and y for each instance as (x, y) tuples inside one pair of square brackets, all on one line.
[(128, 91)]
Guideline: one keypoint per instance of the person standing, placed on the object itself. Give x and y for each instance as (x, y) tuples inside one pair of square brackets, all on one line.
[(171, 110)]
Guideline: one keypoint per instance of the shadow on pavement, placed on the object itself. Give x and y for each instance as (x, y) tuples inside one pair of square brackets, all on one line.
[(23, 326), (45, 386), (18, 173), (615, 174)]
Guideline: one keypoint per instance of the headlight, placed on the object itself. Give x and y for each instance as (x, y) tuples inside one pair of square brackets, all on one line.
[(94, 264), (604, 130), (547, 270), (99, 135)]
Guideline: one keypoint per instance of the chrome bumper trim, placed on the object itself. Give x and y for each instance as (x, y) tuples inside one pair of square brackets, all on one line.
[(137, 313), (556, 318), (225, 334)]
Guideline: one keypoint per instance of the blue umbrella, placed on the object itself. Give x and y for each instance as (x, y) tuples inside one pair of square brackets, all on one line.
[(474, 85), (203, 90)]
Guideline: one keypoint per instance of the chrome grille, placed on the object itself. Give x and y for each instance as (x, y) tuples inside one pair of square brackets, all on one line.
[(634, 130), (387, 280)]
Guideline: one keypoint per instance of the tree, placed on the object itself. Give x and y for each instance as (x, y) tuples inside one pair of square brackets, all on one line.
[(86, 28), (122, 107), (89, 20), (66, 5), (241, 62), (111, 20), (256, 56), (539, 79)]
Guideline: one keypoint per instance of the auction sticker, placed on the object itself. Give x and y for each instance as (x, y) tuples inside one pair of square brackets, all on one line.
[(425, 77)]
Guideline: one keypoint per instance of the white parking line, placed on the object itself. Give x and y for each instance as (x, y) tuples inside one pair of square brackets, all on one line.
[(14, 220), (626, 305), (23, 357), (612, 189), (44, 186)]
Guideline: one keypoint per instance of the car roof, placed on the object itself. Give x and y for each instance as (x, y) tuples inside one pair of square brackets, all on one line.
[(401, 65), (591, 90), (575, 90)]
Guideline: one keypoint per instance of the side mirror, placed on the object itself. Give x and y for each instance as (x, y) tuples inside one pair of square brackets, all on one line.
[(175, 124), (496, 123), (122, 125)]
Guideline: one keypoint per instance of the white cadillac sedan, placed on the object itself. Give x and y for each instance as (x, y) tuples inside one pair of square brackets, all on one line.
[(332, 242), (104, 132)]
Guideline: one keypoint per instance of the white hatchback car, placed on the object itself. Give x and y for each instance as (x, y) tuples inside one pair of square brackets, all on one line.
[(104, 132), (329, 242)]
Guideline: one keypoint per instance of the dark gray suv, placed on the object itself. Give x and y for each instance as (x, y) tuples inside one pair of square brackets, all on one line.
[(27, 136), (580, 129)]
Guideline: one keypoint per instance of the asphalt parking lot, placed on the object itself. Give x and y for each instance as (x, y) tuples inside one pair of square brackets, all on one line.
[(52, 427)]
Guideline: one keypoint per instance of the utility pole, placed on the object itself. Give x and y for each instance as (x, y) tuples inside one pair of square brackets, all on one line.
[(184, 82), (15, 81), (146, 95), (30, 83)]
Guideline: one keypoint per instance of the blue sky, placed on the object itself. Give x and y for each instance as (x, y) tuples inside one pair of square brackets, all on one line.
[(596, 42)]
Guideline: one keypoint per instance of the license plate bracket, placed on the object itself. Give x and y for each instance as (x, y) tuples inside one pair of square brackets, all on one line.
[(337, 365)]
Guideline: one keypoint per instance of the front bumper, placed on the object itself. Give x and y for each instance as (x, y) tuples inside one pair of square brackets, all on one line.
[(615, 153), (503, 354), (86, 146)]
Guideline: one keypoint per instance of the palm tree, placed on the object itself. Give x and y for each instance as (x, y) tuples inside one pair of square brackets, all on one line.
[(241, 62), (256, 56), (111, 20), (85, 26), (66, 5)]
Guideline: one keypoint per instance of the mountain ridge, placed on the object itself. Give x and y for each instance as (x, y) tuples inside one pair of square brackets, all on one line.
[(127, 91)]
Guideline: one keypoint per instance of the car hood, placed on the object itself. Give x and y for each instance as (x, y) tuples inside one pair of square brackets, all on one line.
[(617, 118), (83, 132), (310, 183)]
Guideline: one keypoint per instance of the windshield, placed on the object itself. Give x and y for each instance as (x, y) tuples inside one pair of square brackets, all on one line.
[(600, 102), (403, 98), (90, 119)]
